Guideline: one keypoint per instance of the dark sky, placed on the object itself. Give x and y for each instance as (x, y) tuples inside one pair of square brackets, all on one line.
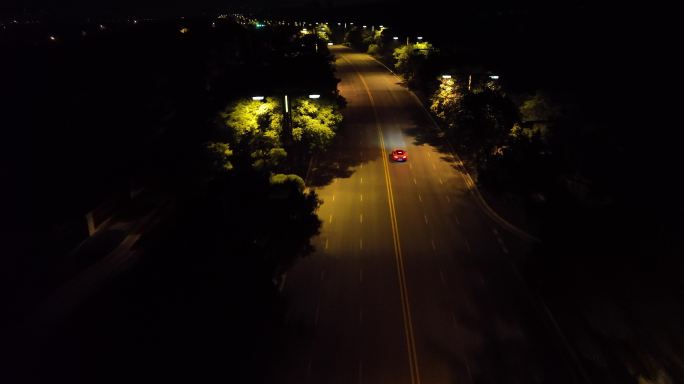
[(80, 7), (176, 7)]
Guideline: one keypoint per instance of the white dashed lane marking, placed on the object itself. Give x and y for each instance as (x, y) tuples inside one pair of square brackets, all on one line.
[(500, 241)]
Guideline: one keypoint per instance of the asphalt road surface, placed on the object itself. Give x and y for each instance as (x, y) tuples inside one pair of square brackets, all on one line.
[(410, 282)]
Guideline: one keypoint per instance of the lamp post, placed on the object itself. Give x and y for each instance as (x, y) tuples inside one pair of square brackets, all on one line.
[(287, 116)]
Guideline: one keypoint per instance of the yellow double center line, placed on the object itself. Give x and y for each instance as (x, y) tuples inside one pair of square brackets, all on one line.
[(406, 306)]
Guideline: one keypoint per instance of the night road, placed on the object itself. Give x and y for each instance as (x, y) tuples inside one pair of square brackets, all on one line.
[(410, 281)]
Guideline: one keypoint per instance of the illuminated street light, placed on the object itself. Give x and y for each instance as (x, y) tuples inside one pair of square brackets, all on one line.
[(494, 77), (257, 98), (420, 37), (446, 76), (330, 43), (395, 38), (53, 38), (314, 96)]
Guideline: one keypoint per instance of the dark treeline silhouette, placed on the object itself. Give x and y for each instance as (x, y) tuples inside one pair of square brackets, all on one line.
[(121, 114), (594, 160)]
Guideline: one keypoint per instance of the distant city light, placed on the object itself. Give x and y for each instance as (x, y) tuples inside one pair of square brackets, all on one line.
[(257, 98), (338, 24), (183, 30), (314, 96), (102, 26), (330, 43), (53, 38), (364, 26)]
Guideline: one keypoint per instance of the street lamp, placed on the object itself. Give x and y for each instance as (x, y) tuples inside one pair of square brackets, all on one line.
[(330, 43), (314, 96), (257, 98), (420, 37), (446, 76), (494, 77), (395, 38)]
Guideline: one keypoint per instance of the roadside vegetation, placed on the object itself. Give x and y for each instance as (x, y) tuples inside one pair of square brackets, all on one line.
[(223, 172), (562, 155)]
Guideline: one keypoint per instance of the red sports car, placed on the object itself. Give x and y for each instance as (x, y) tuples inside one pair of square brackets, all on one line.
[(399, 155)]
